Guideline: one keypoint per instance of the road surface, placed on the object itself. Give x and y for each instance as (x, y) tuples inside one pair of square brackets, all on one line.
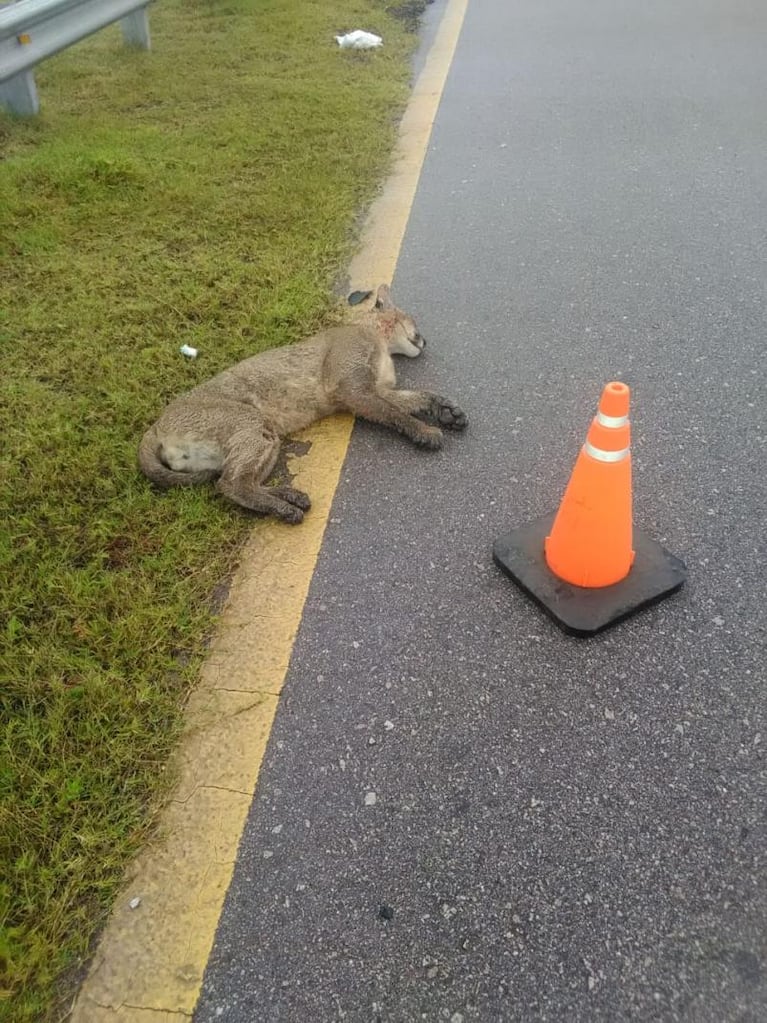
[(464, 814)]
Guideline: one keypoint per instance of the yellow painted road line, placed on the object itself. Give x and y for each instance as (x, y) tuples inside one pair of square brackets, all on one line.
[(150, 962)]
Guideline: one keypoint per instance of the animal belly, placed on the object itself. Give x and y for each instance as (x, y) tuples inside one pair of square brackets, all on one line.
[(299, 409)]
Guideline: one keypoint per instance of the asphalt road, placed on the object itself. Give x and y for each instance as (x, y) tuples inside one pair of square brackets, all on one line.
[(559, 829)]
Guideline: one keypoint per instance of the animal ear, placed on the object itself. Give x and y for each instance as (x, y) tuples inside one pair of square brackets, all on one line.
[(383, 297)]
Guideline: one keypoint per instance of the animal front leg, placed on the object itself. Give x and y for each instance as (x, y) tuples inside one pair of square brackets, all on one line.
[(381, 409), (431, 407)]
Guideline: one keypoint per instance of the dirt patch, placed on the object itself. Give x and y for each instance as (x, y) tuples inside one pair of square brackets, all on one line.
[(281, 475), (408, 11)]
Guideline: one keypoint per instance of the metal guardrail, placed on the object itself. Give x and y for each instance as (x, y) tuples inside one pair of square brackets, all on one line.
[(31, 30)]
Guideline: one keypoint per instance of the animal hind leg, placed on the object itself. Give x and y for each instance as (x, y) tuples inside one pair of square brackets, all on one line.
[(250, 456), (292, 496)]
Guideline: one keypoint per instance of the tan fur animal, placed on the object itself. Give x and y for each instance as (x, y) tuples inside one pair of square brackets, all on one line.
[(230, 427)]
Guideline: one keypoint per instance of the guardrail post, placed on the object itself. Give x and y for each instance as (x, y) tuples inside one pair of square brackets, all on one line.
[(135, 28), (19, 94), (32, 30)]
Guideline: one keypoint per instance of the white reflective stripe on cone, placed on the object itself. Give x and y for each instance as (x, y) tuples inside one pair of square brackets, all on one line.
[(604, 420), (605, 456)]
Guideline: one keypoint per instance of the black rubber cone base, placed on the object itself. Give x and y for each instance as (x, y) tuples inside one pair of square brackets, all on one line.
[(580, 611)]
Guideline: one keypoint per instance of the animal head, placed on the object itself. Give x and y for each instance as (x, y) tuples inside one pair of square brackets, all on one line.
[(397, 328)]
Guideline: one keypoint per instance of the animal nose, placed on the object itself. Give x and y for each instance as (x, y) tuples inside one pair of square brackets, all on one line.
[(422, 339)]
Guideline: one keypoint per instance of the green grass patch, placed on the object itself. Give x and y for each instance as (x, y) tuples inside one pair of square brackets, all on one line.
[(203, 193)]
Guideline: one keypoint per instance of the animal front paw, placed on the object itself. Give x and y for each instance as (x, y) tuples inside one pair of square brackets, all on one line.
[(430, 438), (451, 417)]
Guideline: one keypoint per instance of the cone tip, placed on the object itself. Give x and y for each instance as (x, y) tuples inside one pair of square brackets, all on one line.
[(615, 399)]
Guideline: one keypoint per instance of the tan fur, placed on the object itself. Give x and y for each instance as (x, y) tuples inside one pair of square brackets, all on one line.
[(230, 427)]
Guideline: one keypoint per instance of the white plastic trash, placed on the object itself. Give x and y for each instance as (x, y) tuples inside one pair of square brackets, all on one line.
[(359, 40), (187, 350)]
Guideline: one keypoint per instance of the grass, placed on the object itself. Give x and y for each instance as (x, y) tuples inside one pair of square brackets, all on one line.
[(204, 193)]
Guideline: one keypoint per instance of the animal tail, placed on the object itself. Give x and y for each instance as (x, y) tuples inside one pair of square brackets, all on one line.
[(158, 472)]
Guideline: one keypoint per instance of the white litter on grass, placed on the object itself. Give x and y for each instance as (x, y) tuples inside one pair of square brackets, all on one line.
[(187, 350), (359, 40), (134, 903)]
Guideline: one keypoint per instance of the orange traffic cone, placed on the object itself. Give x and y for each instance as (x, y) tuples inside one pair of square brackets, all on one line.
[(591, 540), (587, 566)]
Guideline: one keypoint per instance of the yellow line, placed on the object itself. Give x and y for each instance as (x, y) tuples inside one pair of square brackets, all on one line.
[(151, 958)]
